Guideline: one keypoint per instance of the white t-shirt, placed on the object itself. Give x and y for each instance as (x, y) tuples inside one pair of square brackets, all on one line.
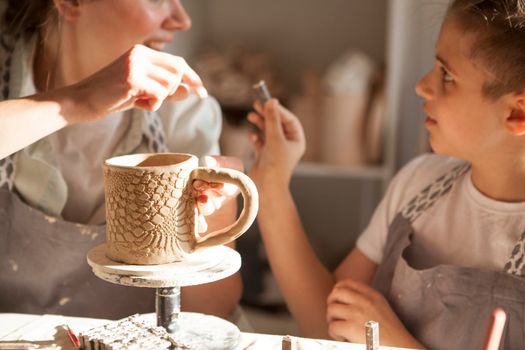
[(463, 228)]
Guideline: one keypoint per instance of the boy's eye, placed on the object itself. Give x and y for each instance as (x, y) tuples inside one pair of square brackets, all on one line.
[(445, 76)]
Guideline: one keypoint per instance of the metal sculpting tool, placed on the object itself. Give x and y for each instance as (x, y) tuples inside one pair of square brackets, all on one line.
[(372, 335), (263, 94)]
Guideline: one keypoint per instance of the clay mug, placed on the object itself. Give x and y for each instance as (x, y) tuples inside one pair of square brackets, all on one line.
[(150, 207)]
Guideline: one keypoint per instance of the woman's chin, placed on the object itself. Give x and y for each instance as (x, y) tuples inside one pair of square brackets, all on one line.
[(156, 45)]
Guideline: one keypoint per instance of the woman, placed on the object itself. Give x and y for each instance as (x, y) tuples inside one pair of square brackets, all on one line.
[(93, 78)]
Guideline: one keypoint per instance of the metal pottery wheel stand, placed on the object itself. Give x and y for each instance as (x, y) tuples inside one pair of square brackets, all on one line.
[(197, 330)]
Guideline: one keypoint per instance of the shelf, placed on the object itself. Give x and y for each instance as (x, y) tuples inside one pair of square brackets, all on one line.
[(326, 170)]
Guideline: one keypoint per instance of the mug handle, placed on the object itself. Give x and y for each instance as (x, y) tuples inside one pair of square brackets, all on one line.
[(249, 211)]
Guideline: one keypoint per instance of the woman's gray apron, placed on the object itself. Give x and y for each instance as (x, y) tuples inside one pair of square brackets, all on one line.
[(447, 307), (43, 267)]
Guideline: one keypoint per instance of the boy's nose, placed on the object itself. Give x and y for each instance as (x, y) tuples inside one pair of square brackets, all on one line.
[(423, 87), (179, 20)]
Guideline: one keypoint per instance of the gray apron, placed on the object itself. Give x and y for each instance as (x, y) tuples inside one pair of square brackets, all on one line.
[(447, 307), (43, 267)]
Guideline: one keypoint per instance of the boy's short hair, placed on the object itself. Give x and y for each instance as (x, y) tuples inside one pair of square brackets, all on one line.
[(500, 43)]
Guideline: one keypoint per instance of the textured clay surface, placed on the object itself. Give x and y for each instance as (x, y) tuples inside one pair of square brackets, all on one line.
[(150, 216)]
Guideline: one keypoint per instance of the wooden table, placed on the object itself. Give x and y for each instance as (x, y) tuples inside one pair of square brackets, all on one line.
[(45, 330)]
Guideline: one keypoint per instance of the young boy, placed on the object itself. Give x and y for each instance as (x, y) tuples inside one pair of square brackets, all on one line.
[(446, 244)]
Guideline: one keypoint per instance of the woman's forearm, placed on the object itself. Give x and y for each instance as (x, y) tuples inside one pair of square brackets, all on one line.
[(130, 81), (26, 120)]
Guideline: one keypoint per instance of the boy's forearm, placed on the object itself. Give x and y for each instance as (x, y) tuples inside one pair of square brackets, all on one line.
[(303, 280), (218, 298)]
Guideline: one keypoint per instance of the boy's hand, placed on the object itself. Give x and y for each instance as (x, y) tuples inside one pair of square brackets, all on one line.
[(212, 196), (279, 144), (351, 304)]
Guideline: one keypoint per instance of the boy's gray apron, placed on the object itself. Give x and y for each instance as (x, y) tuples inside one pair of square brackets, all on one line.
[(447, 307)]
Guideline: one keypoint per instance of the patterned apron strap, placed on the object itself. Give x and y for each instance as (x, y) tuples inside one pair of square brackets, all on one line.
[(7, 47), (430, 194), (154, 133), (516, 264), (7, 169)]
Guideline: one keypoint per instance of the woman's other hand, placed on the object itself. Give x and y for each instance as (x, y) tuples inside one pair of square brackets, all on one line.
[(142, 78), (215, 203), (279, 144)]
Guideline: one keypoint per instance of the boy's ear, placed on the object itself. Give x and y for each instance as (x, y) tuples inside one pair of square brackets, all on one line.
[(515, 122), (68, 9)]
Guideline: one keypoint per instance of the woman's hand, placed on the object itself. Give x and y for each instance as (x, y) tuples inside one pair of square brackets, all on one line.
[(142, 78), (215, 200), (279, 144), (351, 304)]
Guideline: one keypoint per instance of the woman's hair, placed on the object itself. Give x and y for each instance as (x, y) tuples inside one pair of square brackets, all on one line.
[(499, 26), (26, 16)]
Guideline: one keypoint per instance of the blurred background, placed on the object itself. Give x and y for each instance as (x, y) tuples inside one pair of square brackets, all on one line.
[(348, 69)]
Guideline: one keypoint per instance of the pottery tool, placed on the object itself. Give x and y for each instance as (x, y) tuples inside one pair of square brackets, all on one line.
[(497, 324), (263, 94), (287, 343), (372, 335)]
